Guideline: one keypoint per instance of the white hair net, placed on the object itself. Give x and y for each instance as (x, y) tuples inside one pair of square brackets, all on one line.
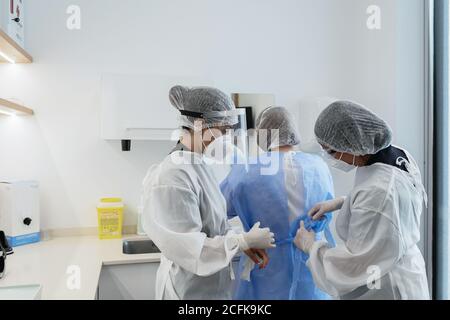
[(202, 105), (351, 128), (277, 118)]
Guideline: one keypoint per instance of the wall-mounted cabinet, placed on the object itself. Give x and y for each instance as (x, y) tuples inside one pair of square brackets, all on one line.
[(137, 107)]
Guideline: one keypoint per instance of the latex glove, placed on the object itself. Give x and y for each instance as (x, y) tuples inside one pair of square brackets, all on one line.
[(258, 256), (257, 238), (322, 208), (254, 257), (304, 239)]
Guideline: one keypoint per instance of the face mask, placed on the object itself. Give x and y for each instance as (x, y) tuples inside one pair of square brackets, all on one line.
[(215, 156), (220, 151), (223, 151), (338, 163)]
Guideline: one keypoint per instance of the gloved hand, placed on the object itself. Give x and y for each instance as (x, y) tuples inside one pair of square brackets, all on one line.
[(304, 239), (257, 238), (259, 257), (322, 208)]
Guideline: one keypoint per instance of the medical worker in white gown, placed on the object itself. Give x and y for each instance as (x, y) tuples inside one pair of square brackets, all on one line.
[(184, 210), (378, 222)]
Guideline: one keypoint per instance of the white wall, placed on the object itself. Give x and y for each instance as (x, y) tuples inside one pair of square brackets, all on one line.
[(292, 48)]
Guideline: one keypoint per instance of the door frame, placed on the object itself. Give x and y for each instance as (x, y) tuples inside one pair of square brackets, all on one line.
[(429, 142)]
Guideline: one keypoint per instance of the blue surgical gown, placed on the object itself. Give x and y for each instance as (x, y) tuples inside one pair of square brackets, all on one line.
[(256, 194)]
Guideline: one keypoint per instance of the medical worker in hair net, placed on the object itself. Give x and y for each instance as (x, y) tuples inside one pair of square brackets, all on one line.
[(280, 200), (378, 222), (184, 210)]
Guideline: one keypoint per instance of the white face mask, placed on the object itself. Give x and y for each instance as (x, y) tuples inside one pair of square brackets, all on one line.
[(338, 163), (219, 155), (215, 151), (222, 151)]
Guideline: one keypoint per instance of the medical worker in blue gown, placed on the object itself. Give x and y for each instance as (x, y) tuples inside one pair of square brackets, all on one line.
[(279, 199)]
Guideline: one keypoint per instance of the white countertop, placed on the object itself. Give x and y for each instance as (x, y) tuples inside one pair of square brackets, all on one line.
[(46, 264)]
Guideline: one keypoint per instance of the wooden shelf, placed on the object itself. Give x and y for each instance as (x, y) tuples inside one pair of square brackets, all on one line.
[(12, 50), (10, 107)]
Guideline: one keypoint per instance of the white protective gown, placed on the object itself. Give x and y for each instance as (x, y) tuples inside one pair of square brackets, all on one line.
[(185, 215), (379, 225)]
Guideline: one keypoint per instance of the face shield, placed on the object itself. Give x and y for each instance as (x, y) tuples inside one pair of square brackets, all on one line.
[(225, 140)]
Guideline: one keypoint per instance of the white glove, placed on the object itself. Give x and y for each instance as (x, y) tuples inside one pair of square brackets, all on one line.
[(322, 208), (304, 239), (257, 238)]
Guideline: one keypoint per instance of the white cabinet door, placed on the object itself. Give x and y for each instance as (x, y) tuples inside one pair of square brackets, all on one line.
[(30, 292), (128, 282), (137, 107), (133, 281)]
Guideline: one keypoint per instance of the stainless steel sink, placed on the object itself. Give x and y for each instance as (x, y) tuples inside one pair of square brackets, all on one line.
[(139, 246)]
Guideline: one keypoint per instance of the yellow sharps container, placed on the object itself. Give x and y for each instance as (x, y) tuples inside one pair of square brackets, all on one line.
[(110, 218)]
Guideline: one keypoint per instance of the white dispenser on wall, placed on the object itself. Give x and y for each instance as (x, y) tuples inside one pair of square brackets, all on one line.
[(19, 212)]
